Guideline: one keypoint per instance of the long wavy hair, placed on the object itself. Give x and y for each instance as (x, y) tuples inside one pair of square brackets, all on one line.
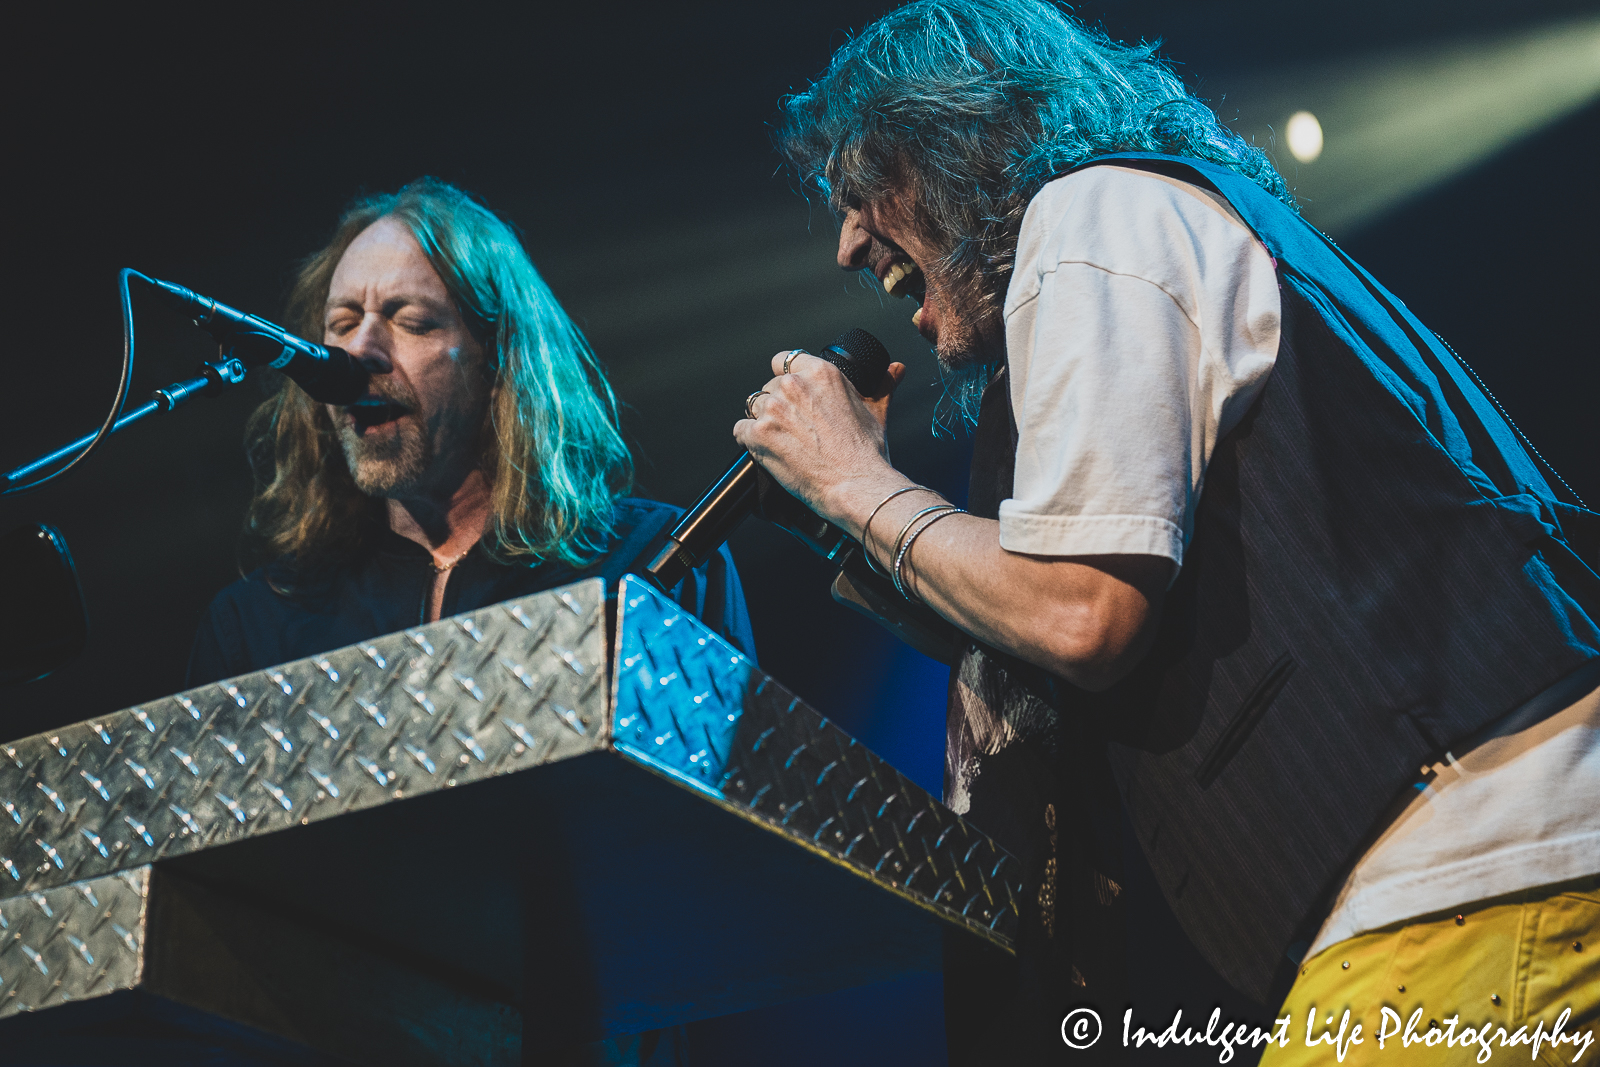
[(970, 106), (552, 447)]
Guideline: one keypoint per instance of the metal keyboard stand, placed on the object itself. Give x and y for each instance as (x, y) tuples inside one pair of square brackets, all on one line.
[(448, 842)]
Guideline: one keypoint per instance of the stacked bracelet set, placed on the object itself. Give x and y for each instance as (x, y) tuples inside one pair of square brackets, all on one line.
[(907, 536)]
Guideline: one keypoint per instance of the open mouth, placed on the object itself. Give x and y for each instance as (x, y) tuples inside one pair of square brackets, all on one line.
[(372, 411), (905, 279)]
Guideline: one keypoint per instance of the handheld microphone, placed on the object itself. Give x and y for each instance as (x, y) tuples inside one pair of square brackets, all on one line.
[(330, 375), (863, 360)]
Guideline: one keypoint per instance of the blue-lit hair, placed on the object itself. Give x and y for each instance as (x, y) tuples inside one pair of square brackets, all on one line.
[(970, 106)]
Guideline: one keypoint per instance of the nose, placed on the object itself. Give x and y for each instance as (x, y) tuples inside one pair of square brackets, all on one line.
[(854, 242), (370, 345)]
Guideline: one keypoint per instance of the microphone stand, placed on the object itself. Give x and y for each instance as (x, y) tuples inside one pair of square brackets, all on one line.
[(214, 378)]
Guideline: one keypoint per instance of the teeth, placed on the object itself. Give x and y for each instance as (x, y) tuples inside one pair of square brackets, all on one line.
[(900, 272)]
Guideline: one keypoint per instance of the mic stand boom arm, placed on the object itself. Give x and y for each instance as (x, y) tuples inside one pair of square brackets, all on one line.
[(214, 377)]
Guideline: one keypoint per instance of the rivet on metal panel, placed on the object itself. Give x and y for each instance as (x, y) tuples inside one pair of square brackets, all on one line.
[(52, 796), (231, 747), (126, 938), (470, 744), (421, 699), (379, 775), (374, 712), (95, 842), (325, 723), (274, 731), (97, 784), (140, 773), (189, 824), (50, 853), (81, 948), (469, 686), (233, 806), (422, 759)]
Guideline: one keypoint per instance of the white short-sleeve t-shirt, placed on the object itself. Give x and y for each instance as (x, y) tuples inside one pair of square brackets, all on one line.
[(1142, 319)]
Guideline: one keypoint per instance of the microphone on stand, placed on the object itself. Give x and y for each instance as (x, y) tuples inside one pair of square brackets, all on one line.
[(330, 375), (863, 360)]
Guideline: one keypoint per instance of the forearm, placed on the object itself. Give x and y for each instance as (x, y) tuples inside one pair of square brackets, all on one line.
[(1087, 619)]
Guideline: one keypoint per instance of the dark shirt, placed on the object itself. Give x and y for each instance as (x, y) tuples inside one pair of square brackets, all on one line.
[(251, 626)]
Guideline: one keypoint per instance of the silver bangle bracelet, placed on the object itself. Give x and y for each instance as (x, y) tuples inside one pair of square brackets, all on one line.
[(904, 550), (900, 538), (866, 527)]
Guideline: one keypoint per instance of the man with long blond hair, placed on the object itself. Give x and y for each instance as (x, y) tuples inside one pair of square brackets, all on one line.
[(483, 463)]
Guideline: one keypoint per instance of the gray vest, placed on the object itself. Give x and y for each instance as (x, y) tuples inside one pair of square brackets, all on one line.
[(1378, 571)]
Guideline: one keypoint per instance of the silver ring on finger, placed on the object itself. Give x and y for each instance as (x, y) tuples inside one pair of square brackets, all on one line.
[(749, 402), (790, 358)]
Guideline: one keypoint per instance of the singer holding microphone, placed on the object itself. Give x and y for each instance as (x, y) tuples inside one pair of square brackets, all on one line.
[(1243, 543)]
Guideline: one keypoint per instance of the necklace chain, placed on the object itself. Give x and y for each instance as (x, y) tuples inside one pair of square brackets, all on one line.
[(440, 568)]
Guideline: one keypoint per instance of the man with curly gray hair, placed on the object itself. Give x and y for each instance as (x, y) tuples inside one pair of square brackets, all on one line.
[(1376, 577)]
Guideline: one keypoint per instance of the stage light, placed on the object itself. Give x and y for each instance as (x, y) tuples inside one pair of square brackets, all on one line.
[(1405, 120), (1304, 134)]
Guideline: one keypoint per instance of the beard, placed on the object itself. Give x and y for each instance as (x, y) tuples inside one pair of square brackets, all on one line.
[(393, 463), (970, 350)]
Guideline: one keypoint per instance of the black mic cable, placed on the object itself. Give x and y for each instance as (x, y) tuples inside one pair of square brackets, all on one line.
[(330, 375), (864, 361)]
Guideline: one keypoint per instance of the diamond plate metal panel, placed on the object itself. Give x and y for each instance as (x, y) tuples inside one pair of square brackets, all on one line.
[(73, 942), (484, 693), (688, 705)]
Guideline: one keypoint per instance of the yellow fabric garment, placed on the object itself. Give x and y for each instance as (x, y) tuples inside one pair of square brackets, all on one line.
[(1499, 969)]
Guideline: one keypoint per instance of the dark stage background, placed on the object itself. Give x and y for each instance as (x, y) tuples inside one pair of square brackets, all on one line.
[(628, 142)]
